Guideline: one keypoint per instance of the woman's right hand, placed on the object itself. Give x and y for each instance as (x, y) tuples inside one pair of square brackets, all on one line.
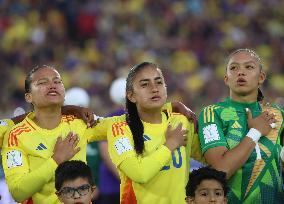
[(65, 149), (175, 137), (261, 122)]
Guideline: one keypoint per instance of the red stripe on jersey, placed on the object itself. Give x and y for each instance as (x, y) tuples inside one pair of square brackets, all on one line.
[(128, 195), (30, 124), (117, 128), (13, 135), (68, 118), (29, 201)]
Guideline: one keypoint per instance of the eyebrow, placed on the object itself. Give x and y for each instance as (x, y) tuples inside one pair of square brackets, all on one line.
[(46, 78), (202, 189), (251, 61), (146, 80)]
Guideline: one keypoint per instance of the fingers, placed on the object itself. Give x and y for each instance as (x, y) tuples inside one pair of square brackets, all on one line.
[(249, 115)]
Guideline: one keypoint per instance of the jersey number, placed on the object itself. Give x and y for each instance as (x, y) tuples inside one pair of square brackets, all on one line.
[(177, 163)]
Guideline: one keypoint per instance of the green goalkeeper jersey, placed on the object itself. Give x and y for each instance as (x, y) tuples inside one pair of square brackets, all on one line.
[(260, 178)]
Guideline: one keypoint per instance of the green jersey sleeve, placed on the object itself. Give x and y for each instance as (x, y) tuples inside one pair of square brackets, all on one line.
[(210, 129)]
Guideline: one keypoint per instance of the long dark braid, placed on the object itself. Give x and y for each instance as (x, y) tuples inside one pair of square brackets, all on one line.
[(132, 116)]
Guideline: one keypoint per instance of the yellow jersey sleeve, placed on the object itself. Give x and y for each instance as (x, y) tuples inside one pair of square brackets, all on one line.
[(5, 125), (143, 169), (100, 130), (23, 182)]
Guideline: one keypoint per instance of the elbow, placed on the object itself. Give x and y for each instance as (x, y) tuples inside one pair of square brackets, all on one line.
[(18, 194), (18, 197), (138, 177)]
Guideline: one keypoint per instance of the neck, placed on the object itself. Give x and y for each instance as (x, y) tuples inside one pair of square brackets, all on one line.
[(251, 98), (48, 118), (150, 116)]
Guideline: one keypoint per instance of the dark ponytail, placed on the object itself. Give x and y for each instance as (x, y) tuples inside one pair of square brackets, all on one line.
[(135, 125), (260, 95), (132, 117)]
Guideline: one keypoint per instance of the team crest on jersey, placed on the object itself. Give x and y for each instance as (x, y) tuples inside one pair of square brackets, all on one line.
[(3, 123), (210, 133), (14, 159), (122, 145)]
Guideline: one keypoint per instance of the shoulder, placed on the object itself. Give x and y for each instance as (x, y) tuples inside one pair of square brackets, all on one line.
[(209, 112), (6, 123), (113, 119)]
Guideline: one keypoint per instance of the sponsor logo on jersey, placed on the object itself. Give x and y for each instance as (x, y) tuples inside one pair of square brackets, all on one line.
[(41, 147), (210, 133), (236, 125), (14, 159), (146, 138)]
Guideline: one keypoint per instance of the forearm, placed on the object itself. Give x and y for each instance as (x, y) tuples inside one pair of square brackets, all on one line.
[(141, 170), (231, 160), (25, 185)]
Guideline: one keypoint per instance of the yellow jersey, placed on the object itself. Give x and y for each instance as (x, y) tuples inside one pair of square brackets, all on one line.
[(26, 157), (158, 176)]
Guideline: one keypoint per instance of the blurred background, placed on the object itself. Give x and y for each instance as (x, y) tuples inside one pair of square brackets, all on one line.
[(92, 43)]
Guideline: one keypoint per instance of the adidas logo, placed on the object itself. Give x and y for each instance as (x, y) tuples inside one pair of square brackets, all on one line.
[(236, 125), (41, 147)]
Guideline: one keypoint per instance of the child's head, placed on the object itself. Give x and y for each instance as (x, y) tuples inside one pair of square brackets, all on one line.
[(206, 185), (74, 182)]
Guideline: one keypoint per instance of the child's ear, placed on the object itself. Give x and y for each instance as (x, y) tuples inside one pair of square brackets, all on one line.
[(190, 200), (94, 191)]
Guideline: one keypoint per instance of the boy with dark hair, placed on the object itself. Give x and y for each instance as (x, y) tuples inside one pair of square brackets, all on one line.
[(206, 185), (74, 182)]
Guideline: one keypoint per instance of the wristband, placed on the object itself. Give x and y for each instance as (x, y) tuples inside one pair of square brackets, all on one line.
[(254, 134), (282, 154)]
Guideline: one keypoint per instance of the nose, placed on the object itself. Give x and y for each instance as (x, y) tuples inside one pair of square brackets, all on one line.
[(241, 71), (76, 194), (154, 87), (51, 85)]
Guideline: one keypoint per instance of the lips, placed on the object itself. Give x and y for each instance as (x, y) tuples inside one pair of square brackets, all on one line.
[(155, 98), (53, 93), (241, 81)]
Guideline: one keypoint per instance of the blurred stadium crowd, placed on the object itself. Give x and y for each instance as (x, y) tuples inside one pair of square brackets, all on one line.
[(94, 42)]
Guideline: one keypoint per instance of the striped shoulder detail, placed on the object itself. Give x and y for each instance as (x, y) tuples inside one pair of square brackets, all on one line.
[(128, 195), (208, 114), (117, 128), (68, 118), (17, 131)]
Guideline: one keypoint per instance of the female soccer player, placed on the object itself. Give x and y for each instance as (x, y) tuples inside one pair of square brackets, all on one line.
[(241, 137), (33, 148), (150, 148)]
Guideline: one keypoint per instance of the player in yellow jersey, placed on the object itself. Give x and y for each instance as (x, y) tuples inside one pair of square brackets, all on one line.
[(34, 148), (150, 148)]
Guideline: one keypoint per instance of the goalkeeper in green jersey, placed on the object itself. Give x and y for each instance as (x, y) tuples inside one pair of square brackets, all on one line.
[(241, 136)]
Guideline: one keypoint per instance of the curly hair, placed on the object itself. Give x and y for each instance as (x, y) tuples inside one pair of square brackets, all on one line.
[(205, 173)]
